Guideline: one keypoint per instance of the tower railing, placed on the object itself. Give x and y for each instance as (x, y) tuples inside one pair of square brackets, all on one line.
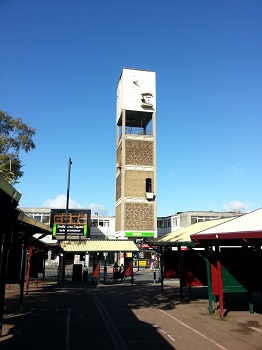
[(138, 131)]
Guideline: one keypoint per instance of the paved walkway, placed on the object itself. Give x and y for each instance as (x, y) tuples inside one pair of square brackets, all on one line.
[(121, 316)]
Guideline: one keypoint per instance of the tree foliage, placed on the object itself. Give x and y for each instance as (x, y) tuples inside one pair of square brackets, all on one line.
[(15, 136)]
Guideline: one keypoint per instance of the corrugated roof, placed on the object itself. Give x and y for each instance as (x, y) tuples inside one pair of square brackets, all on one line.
[(249, 222), (45, 240), (247, 227), (99, 246), (183, 235)]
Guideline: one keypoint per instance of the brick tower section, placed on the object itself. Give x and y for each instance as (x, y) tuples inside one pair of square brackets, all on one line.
[(136, 155)]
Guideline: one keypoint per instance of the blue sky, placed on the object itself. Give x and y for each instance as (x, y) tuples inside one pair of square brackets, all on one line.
[(60, 64)]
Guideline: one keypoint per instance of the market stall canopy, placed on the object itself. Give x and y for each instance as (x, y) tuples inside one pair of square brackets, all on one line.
[(30, 226), (9, 191), (99, 246), (44, 240), (246, 228), (181, 237), (9, 198)]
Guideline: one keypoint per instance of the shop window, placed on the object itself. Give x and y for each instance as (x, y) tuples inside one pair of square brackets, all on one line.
[(193, 220), (94, 223), (46, 219), (160, 224)]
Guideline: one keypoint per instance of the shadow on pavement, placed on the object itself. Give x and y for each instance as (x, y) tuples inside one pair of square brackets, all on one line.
[(56, 317)]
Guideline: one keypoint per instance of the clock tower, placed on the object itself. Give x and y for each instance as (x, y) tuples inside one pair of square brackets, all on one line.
[(136, 215)]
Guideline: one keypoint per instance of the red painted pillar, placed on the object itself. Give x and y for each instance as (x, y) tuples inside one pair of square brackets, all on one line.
[(43, 280), (30, 249), (220, 284)]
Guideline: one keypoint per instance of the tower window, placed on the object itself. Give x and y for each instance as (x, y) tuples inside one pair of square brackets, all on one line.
[(148, 185)]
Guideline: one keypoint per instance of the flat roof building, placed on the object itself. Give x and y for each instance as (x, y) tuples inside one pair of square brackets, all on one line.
[(103, 227)]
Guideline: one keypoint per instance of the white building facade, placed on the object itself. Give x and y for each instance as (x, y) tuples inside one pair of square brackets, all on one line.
[(103, 227)]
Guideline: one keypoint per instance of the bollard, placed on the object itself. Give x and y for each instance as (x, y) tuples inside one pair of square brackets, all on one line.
[(154, 276)]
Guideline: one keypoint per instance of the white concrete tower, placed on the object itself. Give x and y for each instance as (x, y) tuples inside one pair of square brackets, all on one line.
[(136, 215)]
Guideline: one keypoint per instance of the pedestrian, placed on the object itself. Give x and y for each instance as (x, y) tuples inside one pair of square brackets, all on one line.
[(115, 271), (121, 271)]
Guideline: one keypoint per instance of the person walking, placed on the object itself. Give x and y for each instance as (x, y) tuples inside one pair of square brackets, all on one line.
[(115, 271), (121, 271)]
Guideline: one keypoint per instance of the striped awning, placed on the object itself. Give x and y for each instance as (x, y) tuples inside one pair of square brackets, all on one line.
[(99, 246)]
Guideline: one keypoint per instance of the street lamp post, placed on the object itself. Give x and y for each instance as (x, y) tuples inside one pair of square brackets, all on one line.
[(67, 196)]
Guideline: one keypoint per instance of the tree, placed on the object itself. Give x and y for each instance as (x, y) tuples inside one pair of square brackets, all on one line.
[(15, 136)]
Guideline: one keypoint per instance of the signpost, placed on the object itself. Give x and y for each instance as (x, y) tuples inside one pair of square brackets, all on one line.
[(67, 196)]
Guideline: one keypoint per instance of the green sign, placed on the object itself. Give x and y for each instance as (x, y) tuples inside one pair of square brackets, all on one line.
[(54, 230), (72, 229), (139, 234)]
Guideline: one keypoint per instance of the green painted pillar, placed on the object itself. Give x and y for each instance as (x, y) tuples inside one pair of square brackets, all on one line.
[(209, 280)]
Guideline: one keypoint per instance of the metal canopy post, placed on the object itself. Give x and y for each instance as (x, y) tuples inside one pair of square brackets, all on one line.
[(162, 268), (209, 280), (220, 284), (23, 271), (180, 263), (4, 246), (30, 250), (132, 275), (67, 196)]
